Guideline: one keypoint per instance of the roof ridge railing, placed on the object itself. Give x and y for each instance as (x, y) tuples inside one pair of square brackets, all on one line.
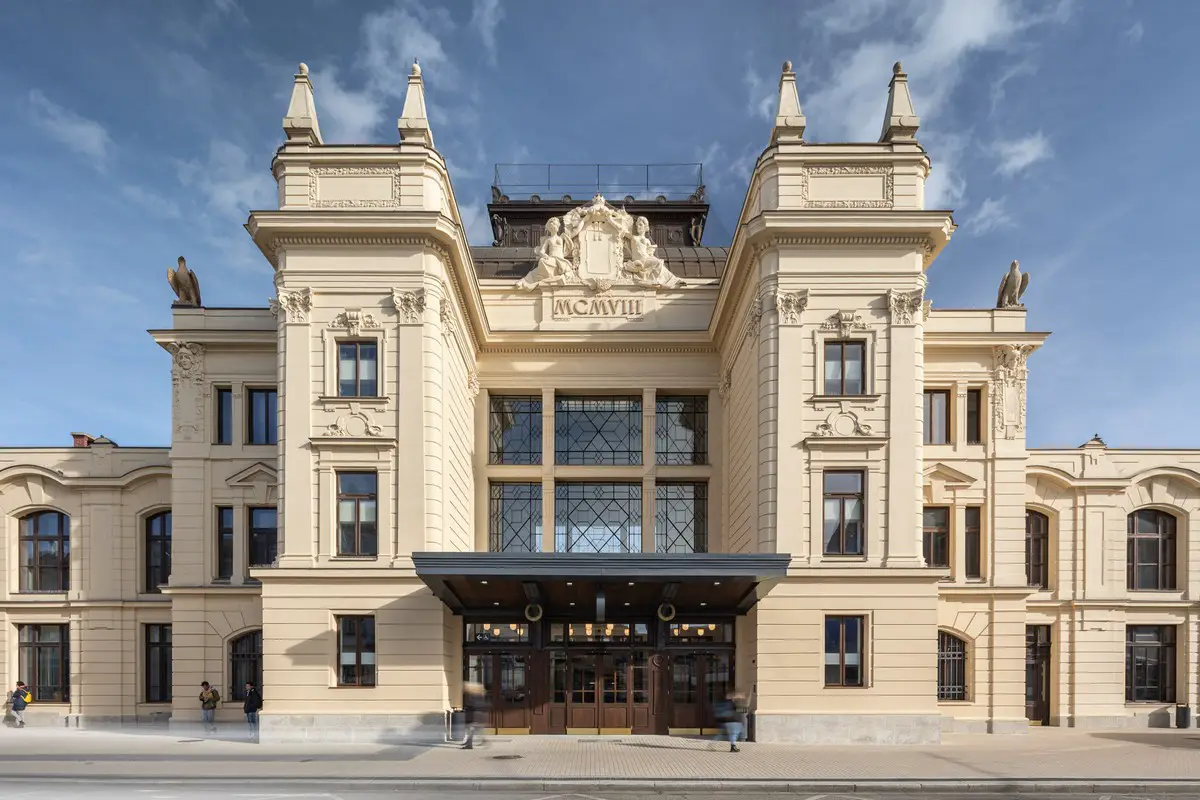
[(653, 181)]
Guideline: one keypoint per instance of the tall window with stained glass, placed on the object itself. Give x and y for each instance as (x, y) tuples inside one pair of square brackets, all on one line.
[(515, 429), (515, 517), (681, 430), (598, 518), (681, 518), (598, 431)]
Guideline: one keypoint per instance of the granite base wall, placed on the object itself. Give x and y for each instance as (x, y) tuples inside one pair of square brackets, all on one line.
[(352, 728), (848, 728)]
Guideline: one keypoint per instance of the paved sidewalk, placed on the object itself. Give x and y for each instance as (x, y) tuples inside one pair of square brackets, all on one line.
[(1043, 754)]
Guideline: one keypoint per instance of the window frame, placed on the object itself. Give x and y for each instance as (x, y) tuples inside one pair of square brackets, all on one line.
[(225, 542), (497, 498), (953, 683), (973, 543), (253, 657), (528, 453), (825, 379), (359, 499), (974, 416), (927, 426), (162, 665), (357, 344), (662, 535), (630, 453), (223, 415), (568, 497), (31, 675), (1167, 653), (161, 541), (842, 497), (666, 451), (842, 619), (272, 431), (252, 532), (1037, 543), (1166, 539), (359, 652), (28, 531), (931, 534)]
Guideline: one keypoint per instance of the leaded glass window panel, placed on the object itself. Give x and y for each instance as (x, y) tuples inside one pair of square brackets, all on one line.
[(515, 430), (681, 518), (515, 522), (598, 431), (681, 430), (598, 518)]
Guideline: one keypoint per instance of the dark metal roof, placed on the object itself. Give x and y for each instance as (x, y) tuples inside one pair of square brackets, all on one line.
[(686, 262), (660, 566)]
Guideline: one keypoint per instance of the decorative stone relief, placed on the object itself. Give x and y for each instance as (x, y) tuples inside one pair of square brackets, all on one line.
[(410, 305), (356, 423), (296, 305), (473, 383), (316, 174), (905, 306), (726, 382), (354, 321), (790, 305), (753, 320), (844, 322), (884, 171), (1008, 389), (843, 422), (926, 308), (449, 323), (187, 384)]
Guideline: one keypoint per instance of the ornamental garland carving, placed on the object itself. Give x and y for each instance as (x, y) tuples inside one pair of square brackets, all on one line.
[(790, 305), (905, 307), (187, 389), (473, 383), (354, 321), (885, 171), (844, 322), (1007, 389), (841, 422), (295, 306), (410, 305), (314, 182), (449, 323), (726, 382), (357, 423), (753, 320)]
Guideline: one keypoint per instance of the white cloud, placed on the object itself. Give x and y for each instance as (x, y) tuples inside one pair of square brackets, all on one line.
[(151, 202), (476, 223), (229, 182), (1017, 70), (485, 18), (1135, 32), (1020, 154), (990, 216), (346, 115), (847, 16), (86, 137), (762, 97), (945, 187)]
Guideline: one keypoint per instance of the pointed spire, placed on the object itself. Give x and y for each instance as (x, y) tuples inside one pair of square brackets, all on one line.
[(789, 119), (413, 122), (300, 124), (900, 121)]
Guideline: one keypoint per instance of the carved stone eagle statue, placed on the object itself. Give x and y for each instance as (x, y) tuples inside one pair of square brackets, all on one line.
[(1012, 287), (185, 284)]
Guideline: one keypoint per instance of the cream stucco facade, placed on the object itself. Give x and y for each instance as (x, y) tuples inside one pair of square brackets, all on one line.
[(1003, 620)]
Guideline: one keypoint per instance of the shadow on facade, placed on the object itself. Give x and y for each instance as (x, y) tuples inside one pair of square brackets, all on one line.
[(1171, 741)]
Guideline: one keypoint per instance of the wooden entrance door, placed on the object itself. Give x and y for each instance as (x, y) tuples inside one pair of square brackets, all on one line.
[(1037, 674), (699, 681), (610, 691), (506, 681)]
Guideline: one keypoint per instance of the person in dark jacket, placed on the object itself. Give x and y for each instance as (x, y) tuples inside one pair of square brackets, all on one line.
[(732, 713), (476, 711), (20, 699), (251, 706)]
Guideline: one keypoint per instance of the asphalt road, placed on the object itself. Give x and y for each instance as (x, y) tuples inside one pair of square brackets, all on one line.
[(22, 790)]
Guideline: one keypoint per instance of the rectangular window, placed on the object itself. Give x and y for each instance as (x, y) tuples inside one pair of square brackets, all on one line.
[(358, 369), (263, 417), (264, 536), (1150, 663), (224, 409), (598, 431), (681, 518), (45, 552), (681, 430), (158, 663), (974, 416), (844, 651), (843, 513), (936, 537), (845, 370), (515, 518), (358, 524), (598, 518), (356, 651), (158, 551), (937, 417), (44, 661), (973, 542), (224, 543), (515, 429)]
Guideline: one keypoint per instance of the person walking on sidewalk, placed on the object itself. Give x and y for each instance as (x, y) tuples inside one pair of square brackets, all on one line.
[(732, 713), (209, 697), (251, 707), (21, 698), (475, 708)]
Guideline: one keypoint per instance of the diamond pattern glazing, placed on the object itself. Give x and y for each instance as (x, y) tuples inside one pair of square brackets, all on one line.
[(598, 431), (515, 430), (681, 518), (681, 430), (515, 518), (598, 518)]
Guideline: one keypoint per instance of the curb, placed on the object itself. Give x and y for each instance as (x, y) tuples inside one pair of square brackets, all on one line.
[(771, 785)]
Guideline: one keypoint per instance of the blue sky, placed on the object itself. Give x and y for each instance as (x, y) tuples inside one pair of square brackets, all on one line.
[(137, 131)]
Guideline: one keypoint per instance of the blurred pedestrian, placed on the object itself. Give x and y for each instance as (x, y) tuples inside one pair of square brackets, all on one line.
[(476, 710), (251, 706)]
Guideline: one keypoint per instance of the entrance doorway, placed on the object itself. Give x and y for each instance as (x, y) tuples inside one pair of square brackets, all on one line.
[(606, 691), (699, 681), (1037, 674), (505, 678)]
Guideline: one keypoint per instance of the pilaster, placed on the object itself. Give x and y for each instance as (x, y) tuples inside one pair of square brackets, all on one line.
[(768, 414), (293, 310), (548, 524), (904, 413), (649, 501), (433, 370)]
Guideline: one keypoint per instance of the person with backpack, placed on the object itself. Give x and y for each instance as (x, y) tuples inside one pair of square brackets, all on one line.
[(209, 697), (732, 713), (21, 698), (252, 705)]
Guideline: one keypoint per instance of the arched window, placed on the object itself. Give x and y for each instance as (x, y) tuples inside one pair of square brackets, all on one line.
[(1150, 553), (45, 558), (1037, 549), (158, 550), (245, 663), (952, 667)]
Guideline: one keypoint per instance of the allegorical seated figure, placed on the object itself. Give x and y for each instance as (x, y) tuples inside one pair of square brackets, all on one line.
[(553, 266), (645, 268)]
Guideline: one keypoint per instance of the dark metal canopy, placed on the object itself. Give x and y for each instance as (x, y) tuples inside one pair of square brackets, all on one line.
[(628, 584)]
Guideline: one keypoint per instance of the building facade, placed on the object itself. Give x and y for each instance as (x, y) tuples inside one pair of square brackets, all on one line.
[(607, 471)]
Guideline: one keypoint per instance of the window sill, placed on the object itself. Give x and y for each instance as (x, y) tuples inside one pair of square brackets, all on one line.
[(353, 558), (840, 558), (844, 688), (846, 398), (1145, 704), (375, 400), (955, 703), (352, 686)]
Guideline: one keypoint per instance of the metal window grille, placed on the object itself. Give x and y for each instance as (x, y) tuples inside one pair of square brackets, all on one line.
[(598, 518), (952, 667), (515, 430), (598, 431), (681, 518), (515, 518), (245, 663), (681, 430)]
